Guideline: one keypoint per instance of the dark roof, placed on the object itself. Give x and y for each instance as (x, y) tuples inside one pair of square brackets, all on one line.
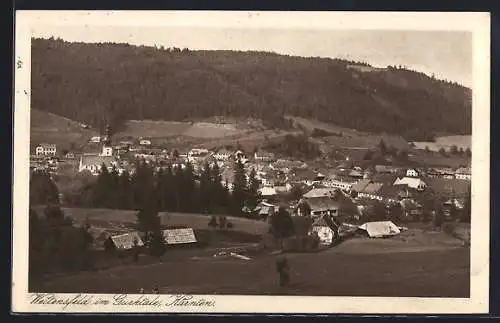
[(322, 203)]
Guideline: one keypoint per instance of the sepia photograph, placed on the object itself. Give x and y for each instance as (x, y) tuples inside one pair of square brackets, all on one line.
[(226, 161)]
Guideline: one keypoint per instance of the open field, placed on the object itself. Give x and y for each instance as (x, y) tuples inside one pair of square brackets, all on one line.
[(195, 221), (417, 263), (350, 138), (50, 128), (433, 159), (351, 269), (446, 142)]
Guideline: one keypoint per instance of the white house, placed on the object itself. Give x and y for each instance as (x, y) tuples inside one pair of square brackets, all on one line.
[(463, 173), (411, 172), (145, 142), (340, 184), (45, 150), (106, 151)]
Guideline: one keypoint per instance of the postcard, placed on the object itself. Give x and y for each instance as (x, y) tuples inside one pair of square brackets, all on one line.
[(251, 162)]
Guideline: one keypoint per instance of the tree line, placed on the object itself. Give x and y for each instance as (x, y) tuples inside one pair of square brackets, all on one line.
[(172, 189)]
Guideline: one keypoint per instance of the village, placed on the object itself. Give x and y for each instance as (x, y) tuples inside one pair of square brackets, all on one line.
[(343, 190)]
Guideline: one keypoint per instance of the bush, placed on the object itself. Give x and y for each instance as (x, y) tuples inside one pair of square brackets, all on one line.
[(230, 225)]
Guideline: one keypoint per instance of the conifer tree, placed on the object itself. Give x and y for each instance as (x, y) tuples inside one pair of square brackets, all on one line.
[(206, 190), (239, 189), (253, 194)]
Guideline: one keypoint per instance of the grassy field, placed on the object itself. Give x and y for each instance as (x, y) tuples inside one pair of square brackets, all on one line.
[(433, 159), (350, 138), (195, 221), (50, 128), (446, 142), (351, 269), (419, 262)]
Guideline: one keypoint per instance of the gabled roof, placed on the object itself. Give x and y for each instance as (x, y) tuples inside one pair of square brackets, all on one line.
[(412, 182), (322, 204), (319, 192), (126, 240), (47, 146)]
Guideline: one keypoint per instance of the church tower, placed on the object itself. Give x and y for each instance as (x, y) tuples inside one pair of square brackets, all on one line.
[(107, 149)]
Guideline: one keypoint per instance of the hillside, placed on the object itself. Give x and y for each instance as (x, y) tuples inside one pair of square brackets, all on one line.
[(51, 128), (98, 83)]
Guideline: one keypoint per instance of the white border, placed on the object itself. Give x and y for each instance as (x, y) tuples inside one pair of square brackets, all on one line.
[(477, 23)]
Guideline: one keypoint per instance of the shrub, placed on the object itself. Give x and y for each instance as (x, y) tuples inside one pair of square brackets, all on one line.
[(230, 225)]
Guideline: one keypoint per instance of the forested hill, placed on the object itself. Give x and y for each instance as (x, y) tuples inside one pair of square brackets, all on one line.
[(106, 82)]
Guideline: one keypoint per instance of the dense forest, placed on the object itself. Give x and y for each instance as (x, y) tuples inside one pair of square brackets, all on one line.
[(107, 82)]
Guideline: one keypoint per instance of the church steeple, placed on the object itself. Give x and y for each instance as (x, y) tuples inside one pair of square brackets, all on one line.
[(107, 150)]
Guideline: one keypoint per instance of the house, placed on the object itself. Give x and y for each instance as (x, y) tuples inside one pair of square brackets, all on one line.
[(264, 156), (125, 241), (319, 192), (366, 188), (412, 182), (356, 174), (412, 172), (93, 163), (145, 142), (338, 183), (463, 173), (45, 150), (318, 206), (265, 209), (179, 236), (326, 229), (268, 192), (223, 155), (95, 139)]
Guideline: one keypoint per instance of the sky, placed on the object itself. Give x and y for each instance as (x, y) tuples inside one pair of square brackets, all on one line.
[(446, 54)]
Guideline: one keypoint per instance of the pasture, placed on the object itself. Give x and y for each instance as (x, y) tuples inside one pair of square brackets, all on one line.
[(195, 221), (50, 128), (349, 138), (417, 263), (340, 271)]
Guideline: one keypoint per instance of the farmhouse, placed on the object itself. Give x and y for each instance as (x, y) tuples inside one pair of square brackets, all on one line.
[(326, 229), (319, 192), (318, 206), (366, 188), (125, 241), (45, 150), (338, 183), (411, 182)]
